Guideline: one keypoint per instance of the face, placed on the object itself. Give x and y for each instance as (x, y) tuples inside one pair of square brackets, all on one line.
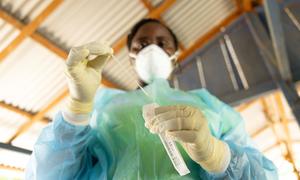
[(153, 33)]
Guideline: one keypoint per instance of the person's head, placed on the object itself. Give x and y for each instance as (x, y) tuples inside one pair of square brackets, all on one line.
[(161, 38)]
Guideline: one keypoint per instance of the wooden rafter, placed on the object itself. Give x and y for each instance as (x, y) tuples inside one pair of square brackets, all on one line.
[(155, 13), (35, 35), (16, 110), (283, 119), (11, 168), (248, 5), (29, 29)]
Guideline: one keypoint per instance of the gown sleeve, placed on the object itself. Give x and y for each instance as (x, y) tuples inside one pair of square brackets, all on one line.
[(61, 152), (66, 151), (246, 161)]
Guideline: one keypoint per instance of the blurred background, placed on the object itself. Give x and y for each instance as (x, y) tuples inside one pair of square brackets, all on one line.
[(246, 52)]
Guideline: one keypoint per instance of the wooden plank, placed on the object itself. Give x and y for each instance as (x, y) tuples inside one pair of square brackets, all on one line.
[(16, 110), (29, 29), (157, 12), (14, 169), (11, 20), (49, 45), (35, 35), (247, 5), (147, 4)]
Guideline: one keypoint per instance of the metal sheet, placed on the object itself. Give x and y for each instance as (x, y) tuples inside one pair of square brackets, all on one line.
[(191, 19), (273, 14)]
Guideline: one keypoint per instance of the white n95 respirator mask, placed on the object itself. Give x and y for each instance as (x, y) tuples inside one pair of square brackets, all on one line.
[(153, 62)]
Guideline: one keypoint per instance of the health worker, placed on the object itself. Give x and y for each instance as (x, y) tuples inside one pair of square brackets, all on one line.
[(101, 133)]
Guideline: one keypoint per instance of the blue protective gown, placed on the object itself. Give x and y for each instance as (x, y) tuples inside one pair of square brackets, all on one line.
[(116, 145)]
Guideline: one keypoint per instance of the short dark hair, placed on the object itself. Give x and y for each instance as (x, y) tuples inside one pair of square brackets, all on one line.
[(139, 24)]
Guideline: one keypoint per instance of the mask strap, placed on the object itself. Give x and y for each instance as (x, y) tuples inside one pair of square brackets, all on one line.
[(172, 57), (136, 81), (175, 56), (132, 55)]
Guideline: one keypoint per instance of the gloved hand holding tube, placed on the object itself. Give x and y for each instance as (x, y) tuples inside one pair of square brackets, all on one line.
[(169, 144), (187, 125), (83, 77)]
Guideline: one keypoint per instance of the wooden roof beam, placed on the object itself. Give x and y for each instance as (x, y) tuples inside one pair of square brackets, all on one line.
[(35, 35), (15, 109), (10, 168), (29, 29), (248, 5)]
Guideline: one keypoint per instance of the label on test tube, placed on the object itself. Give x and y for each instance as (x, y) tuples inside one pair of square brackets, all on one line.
[(169, 144)]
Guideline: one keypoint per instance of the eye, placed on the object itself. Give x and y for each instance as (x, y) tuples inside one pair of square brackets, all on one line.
[(143, 44), (162, 44), (138, 46)]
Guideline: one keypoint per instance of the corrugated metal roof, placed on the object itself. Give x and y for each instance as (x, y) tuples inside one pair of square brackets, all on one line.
[(10, 122), (81, 21), (23, 9), (192, 19), (31, 77), (122, 71), (7, 34)]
